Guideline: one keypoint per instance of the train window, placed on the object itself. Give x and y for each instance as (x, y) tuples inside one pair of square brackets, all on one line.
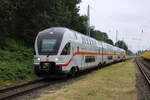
[(83, 40), (48, 45), (90, 42), (78, 49), (66, 50), (89, 59), (86, 41), (75, 34), (110, 57), (95, 43)]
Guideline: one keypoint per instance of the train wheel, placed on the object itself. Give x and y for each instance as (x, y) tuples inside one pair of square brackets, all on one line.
[(37, 72), (77, 71), (74, 72), (100, 66), (104, 64)]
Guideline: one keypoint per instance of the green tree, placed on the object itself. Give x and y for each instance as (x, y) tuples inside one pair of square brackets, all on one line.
[(121, 44), (101, 36), (23, 19), (6, 16), (129, 52), (110, 41)]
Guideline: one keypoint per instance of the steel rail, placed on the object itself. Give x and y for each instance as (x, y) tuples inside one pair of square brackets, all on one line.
[(143, 69), (21, 89)]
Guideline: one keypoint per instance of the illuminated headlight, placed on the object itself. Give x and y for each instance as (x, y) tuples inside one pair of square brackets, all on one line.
[(56, 59), (37, 59)]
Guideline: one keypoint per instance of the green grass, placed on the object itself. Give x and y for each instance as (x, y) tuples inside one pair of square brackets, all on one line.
[(15, 62), (115, 82)]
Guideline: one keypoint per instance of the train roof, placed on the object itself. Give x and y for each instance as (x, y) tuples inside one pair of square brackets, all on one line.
[(81, 37), (57, 29)]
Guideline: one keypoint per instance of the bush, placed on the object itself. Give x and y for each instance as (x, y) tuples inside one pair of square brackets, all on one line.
[(15, 61)]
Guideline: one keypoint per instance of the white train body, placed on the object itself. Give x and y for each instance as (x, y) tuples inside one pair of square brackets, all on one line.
[(59, 50)]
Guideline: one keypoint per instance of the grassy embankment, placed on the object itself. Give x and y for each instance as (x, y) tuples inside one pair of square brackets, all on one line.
[(115, 82), (15, 62)]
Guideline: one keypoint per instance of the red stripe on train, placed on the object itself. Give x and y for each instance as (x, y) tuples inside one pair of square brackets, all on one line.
[(84, 53)]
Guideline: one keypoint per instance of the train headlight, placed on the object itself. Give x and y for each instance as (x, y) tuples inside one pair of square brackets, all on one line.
[(37, 59), (56, 59)]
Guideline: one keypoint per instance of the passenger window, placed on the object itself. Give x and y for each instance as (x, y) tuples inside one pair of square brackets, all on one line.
[(75, 35), (78, 49), (66, 50)]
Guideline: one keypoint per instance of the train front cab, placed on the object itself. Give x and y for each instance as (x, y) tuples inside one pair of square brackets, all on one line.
[(49, 47)]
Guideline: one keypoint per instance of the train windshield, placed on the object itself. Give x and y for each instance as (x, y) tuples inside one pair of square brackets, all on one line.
[(48, 45)]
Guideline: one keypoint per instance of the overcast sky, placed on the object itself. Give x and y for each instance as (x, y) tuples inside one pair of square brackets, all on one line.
[(129, 17)]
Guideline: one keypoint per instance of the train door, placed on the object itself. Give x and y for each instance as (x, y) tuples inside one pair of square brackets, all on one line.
[(76, 61), (66, 53), (80, 58), (83, 57), (104, 56), (100, 55)]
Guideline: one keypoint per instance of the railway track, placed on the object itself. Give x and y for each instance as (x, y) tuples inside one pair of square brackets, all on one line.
[(144, 68), (12, 92), (21, 89), (18, 90)]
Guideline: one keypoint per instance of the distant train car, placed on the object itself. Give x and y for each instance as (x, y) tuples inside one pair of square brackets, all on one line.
[(123, 55), (146, 55), (64, 51)]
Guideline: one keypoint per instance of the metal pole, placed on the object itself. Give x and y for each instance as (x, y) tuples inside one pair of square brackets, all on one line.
[(88, 21), (116, 36)]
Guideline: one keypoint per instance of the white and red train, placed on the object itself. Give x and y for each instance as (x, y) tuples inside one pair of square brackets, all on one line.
[(64, 51)]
